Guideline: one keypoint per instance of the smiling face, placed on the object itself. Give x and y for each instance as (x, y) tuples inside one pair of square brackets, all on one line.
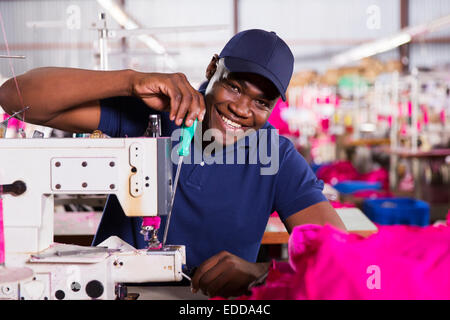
[(237, 102)]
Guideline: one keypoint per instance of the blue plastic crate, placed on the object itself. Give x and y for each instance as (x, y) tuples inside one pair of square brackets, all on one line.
[(393, 211), (353, 186)]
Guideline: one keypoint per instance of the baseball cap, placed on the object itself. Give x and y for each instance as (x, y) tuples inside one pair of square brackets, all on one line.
[(261, 52)]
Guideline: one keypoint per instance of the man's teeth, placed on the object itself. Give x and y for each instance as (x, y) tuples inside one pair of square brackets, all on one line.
[(231, 123)]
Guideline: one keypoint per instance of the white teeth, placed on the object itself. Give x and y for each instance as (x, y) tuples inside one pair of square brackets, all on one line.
[(231, 123)]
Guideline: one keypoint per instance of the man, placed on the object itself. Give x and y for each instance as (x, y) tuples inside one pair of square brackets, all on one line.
[(220, 211)]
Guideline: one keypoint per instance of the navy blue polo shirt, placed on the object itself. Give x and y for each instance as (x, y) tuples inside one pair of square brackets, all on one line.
[(218, 206)]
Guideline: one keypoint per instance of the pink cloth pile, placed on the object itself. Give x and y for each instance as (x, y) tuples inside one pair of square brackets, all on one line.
[(341, 171), (372, 194), (337, 172), (2, 235), (338, 204), (277, 121), (379, 175), (397, 262)]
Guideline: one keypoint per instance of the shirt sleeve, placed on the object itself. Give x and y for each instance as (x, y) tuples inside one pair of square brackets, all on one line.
[(297, 187), (123, 116)]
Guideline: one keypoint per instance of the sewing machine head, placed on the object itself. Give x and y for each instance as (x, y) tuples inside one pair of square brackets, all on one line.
[(137, 170)]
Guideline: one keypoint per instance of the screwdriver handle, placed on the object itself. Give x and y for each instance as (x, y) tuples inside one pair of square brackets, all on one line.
[(187, 133)]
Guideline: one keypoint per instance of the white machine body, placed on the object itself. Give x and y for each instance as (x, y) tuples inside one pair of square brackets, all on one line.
[(137, 170)]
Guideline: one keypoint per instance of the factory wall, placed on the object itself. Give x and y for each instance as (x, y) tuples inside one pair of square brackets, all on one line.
[(316, 30), (61, 42), (429, 54)]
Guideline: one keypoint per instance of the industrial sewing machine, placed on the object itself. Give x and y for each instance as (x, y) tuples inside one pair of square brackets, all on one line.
[(137, 170)]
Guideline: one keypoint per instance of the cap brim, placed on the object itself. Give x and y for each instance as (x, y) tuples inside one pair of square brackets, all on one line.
[(241, 65)]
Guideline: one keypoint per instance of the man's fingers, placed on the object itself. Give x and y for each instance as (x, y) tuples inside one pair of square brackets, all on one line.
[(175, 96), (185, 104), (190, 106), (218, 285), (229, 289), (183, 99), (213, 278), (196, 110), (226, 275), (201, 270), (201, 106), (204, 267), (173, 92)]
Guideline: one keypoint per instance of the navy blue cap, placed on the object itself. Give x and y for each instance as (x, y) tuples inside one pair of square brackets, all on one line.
[(261, 52)]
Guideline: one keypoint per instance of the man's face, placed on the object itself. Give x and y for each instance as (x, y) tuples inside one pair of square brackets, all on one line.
[(237, 102)]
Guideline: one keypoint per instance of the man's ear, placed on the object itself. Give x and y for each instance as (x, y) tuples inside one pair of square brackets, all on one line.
[(212, 67)]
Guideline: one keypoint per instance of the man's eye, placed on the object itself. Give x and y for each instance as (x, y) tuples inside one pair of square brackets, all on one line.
[(262, 103), (234, 88)]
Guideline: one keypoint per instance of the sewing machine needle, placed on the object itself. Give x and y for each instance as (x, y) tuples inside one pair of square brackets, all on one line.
[(16, 113), (187, 134), (175, 183)]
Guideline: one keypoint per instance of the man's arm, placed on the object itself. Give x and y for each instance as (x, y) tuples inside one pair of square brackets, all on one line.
[(65, 98), (320, 213), (68, 98)]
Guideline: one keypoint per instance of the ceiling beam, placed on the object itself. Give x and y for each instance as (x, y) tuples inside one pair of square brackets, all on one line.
[(235, 16), (404, 23)]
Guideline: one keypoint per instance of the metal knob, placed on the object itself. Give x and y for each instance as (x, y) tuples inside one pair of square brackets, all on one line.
[(16, 188)]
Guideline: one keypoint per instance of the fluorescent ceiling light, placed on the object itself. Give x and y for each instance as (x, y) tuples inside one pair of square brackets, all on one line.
[(119, 15), (372, 48), (389, 43)]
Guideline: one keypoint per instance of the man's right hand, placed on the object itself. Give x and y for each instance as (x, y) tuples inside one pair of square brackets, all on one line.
[(69, 99), (172, 93)]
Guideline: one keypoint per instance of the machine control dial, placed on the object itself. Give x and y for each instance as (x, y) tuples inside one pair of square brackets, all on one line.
[(94, 289)]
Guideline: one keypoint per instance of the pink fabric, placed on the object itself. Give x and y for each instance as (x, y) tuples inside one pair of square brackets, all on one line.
[(13, 122), (325, 124), (338, 204), (2, 235), (344, 171), (425, 114), (151, 222), (372, 194), (274, 214), (407, 183), (398, 262), (403, 129), (276, 120), (337, 172), (442, 116), (388, 119), (379, 175)]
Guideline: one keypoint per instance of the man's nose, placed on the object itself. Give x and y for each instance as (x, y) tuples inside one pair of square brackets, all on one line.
[(241, 107)]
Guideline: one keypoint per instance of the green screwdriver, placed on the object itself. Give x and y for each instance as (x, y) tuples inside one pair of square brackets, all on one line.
[(187, 134)]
